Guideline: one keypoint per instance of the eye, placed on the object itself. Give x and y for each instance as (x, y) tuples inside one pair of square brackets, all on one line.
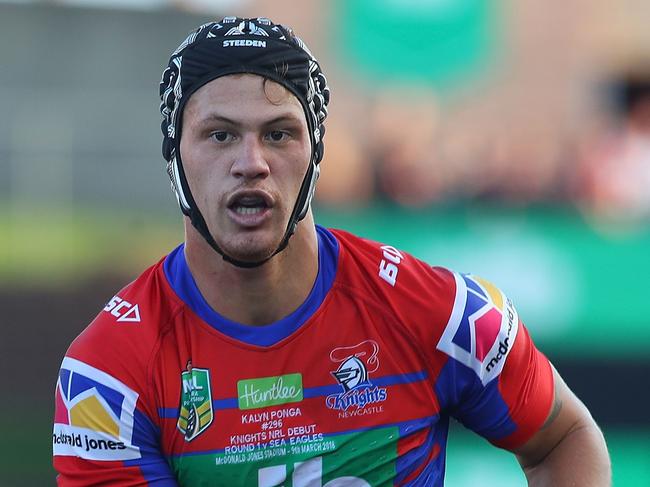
[(277, 135), (221, 136)]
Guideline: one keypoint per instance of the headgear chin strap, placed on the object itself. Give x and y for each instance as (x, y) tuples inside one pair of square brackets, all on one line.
[(233, 46)]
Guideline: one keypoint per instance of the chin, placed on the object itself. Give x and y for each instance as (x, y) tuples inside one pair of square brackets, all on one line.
[(251, 249), (246, 255)]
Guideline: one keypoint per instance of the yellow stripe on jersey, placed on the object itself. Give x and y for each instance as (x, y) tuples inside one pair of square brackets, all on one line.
[(492, 290), (90, 413)]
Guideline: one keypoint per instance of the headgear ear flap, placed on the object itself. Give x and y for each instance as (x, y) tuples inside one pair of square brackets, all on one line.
[(319, 149), (178, 185), (167, 146), (307, 192)]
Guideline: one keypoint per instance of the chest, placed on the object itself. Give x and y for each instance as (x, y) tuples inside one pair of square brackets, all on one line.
[(348, 396)]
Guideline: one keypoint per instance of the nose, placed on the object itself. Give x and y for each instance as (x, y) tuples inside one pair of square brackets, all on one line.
[(250, 161)]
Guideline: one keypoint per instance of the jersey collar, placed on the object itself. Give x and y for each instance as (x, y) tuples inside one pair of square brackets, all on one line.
[(182, 282)]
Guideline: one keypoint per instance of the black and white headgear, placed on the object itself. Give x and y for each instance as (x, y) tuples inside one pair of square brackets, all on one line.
[(237, 45)]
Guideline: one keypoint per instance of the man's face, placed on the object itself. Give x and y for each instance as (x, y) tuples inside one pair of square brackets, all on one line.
[(245, 149)]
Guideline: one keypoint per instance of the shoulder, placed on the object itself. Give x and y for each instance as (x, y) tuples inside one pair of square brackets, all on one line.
[(391, 266), (103, 390), (103, 396), (417, 294), (467, 317), (124, 335)]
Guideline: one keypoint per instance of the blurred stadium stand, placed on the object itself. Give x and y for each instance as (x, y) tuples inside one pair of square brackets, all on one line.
[(509, 138)]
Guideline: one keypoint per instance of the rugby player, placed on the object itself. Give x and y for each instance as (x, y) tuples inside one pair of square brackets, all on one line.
[(267, 350)]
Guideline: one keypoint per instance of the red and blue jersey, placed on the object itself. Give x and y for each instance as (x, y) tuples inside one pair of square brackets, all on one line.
[(355, 387)]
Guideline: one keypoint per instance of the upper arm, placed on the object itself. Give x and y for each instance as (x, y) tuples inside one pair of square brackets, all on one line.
[(524, 406), (495, 382), (567, 415)]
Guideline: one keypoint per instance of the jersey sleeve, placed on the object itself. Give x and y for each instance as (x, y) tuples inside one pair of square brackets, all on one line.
[(494, 381), (103, 432)]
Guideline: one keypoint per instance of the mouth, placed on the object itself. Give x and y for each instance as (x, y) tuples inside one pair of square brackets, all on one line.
[(248, 206)]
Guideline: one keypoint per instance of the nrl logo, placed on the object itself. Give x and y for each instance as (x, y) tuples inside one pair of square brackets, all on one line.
[(196, 402)]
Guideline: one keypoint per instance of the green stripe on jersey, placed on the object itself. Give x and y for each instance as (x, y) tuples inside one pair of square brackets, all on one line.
[(297, 461)]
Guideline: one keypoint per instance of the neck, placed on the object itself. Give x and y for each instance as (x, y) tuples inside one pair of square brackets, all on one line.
[(260, 295)]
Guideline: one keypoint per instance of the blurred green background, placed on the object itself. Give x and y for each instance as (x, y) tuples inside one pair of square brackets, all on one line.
[(506, 139)]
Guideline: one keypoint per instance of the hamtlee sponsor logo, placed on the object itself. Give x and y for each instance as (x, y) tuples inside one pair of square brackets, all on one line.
[(269, 391), (88, 444)]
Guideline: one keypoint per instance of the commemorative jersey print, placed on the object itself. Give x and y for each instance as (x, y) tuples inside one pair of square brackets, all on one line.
[(270, 436)]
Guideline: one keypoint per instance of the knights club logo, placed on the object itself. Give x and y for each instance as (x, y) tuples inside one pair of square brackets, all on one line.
[(356, 363), (196, 402), (351, 374)]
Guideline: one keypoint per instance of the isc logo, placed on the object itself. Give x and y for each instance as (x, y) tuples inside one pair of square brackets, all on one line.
[(123, 310), (305, 474), (388, 266)]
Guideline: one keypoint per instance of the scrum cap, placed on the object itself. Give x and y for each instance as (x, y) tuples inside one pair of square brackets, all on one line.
[(237, 45)]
